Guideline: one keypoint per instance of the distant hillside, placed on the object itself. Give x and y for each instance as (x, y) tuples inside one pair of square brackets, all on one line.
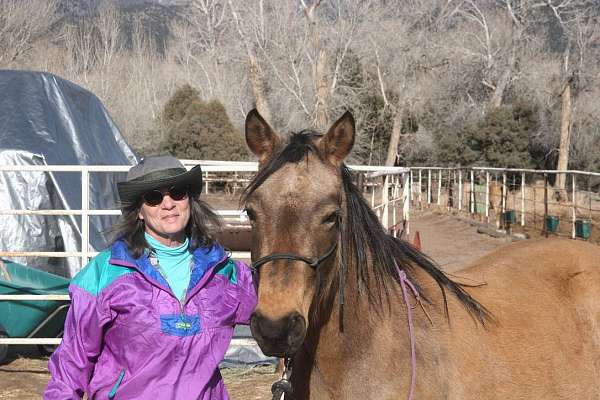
[(83, 7), (155, 15)]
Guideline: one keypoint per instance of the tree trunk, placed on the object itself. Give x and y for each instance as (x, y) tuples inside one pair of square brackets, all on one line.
[(565, 134), (394, 138), (257, 81), (319, 66), (501, 88), (322, 119)]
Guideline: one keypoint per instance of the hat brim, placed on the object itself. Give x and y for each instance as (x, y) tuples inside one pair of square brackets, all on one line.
[(131, 192)]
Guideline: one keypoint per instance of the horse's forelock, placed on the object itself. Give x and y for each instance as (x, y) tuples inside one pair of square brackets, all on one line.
[(296, 149)]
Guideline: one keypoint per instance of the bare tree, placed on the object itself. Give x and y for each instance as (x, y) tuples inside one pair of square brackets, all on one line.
[(22, 23), (257, 79), (573, 18)]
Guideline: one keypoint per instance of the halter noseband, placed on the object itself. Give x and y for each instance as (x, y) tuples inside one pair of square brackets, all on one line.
[(313, 263)]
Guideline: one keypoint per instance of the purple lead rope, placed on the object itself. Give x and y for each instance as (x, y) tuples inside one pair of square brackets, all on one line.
[(404, 281)]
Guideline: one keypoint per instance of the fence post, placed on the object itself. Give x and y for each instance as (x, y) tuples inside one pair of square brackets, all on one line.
[(523, 198), (420, 191), (412, 181), (206, 182), (394, 204), (460, 190), (406, 206), (573, 208), (85, 217), (487, 197), (472, 193), (428, 186), (545, 204), (384, 200), (373, 194), (504, 192), (589, 189), (439, 194)]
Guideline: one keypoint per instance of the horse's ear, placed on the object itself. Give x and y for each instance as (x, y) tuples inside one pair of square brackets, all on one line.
[(260, 137), (340, 138)]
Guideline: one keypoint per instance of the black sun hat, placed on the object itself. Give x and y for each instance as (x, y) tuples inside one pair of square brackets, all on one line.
[(155, 173)]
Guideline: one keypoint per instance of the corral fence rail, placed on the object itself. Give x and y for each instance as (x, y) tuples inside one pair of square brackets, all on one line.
[(223, 177), (520, 199), (513, 197)]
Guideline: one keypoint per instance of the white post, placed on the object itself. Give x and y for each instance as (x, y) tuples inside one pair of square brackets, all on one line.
[(460, 190), (85, 217), (523, 198), (472, 193), (439, 194), (394, 204), (384, 201), (573, 208), (206, 182), (503, 192), (406, 205), (373, 196), (453, 192), (412, 181), (420, 189), (428, 186), (487, 197)]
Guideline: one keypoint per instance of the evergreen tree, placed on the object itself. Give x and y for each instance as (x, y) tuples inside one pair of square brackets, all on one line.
[(199, 130), (502, 139)]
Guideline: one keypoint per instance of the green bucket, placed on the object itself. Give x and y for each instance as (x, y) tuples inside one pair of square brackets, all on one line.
[(551, 223), (583, 228), (510, 216)]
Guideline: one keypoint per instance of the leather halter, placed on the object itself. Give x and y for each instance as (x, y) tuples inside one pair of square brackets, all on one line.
[(313, 263)]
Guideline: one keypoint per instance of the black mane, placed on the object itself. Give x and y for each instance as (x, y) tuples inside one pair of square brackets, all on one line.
[(363, 236)]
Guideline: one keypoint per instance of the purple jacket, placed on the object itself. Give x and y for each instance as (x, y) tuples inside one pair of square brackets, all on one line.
[(128, 337)]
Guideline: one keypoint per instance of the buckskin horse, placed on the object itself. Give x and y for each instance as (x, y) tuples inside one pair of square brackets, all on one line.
[(363, 315)]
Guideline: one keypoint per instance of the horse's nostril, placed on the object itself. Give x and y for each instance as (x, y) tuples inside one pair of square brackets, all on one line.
[(296, 331)]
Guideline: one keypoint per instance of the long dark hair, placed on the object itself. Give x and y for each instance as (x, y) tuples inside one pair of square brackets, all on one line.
[(200, 229)]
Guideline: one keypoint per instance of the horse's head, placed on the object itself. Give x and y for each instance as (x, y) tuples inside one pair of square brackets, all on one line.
[(294, 204)]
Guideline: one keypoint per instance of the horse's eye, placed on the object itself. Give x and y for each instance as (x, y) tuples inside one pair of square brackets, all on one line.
[(332, 218), (250, 213)]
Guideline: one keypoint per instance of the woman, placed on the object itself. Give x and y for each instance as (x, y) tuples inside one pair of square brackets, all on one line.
[(152, 317)]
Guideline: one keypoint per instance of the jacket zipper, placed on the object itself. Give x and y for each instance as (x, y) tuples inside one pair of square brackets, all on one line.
[(182, 300), (113, 392)]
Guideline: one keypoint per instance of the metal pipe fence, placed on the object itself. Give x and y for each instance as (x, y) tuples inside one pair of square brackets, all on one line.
[(513, 197), (522, 199), (223, 177)]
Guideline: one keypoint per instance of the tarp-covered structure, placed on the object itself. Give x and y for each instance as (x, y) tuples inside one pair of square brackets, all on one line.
[(46, 120)]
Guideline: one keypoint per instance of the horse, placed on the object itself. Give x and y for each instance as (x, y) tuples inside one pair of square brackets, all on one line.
[(360, 314)]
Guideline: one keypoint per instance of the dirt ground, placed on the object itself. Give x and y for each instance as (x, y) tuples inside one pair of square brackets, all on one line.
[(450, 241)]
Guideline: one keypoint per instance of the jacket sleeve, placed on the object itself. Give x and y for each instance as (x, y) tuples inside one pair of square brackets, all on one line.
[(246, 292), (72, 364)]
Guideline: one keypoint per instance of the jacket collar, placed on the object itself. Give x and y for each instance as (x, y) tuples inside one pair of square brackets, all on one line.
[(204, 259)]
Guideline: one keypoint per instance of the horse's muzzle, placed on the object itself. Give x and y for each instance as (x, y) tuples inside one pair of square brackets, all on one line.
[(280, 337)]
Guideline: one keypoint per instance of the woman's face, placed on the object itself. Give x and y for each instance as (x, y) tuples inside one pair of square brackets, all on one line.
[(166, 221)]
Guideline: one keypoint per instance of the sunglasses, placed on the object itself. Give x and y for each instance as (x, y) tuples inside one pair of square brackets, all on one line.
[(155, 197)]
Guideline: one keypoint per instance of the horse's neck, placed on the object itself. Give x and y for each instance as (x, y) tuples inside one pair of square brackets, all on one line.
[(369, 338)]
